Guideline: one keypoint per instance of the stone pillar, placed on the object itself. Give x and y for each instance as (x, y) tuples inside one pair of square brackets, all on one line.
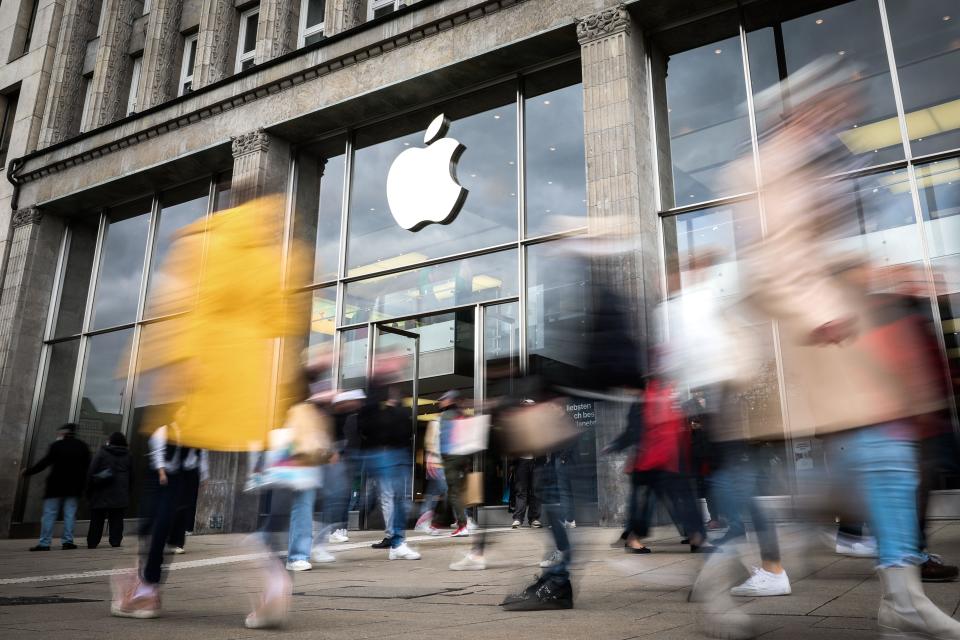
[(278, 28), (344, 14), (261, 166), (108, 100), (24, 303), (621, 196), (65, 94), (162, 51), (217, 42)]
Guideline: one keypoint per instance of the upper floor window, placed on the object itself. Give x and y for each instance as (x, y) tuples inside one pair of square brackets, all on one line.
[(134, 84), (377, 8), (311, 21), (186, 66), (147, 5), (247, 40), (6, 127), (102, 18), (87, 99)]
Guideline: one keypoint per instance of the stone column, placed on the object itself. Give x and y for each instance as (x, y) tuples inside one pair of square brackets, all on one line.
[(24, 303), (261, 166), (278, 28), (621, 190), (162, 51), (65, 94), (217, 42), (108, 100), (344, 14)]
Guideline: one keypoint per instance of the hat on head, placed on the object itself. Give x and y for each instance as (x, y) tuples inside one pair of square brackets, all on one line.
[(452, 394), (68, 427), (347, 396)]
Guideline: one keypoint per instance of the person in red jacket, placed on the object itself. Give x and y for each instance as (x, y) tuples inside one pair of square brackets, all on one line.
[(654, 428)]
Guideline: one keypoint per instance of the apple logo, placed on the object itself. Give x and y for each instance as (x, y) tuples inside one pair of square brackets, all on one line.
[(422, 185)]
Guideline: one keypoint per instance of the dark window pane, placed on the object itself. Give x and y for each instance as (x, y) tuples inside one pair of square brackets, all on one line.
[(851, 34), (485, 124), (6, 127), (178, 208), (450, 284), (121, 265), (104, 382), (192, 57), (76, 278), (926, 44), (501, 357), (556, 181), (353, 358), (250, 33), (706, 97), (222, 191), (317, 37), (328, 213), (315, 12), (54, 412)]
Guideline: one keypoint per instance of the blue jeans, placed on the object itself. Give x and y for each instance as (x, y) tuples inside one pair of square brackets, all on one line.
[(336, 497), (391, 468), (884, 470), (301, 525), (436, 489), (51, 509)]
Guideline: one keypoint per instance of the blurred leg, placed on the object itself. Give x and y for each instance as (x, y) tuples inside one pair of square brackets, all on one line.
[(95, 531), (300, 536), (51, 509), (69, 519)]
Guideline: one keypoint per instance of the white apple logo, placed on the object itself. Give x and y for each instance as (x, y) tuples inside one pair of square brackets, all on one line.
[(422, 184)]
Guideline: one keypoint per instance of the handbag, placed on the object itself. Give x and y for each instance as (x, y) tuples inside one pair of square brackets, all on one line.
[(311, 434), (103, 476), (469, 435), (473, 489), (539, 428)]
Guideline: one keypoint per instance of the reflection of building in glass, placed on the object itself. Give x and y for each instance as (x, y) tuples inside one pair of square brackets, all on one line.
[(570, 121)]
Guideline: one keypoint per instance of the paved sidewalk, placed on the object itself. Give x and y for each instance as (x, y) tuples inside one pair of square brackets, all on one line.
[(362, 595)]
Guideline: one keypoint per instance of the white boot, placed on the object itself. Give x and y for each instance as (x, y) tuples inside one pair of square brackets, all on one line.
[(904, 606)]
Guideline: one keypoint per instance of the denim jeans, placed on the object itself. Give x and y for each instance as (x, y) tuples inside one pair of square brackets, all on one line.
[(436, 489), (391, 468), (884, 470), (300, 540), (51, 508), (336, 498)]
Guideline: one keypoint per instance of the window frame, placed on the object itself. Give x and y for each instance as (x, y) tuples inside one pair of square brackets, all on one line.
[(186, 71), (10, 106), (87, 99), (374, 5), (248, 56), (135, 71), (306, 31)]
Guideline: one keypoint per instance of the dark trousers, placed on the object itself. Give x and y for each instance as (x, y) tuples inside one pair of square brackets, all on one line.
[(671, 488), (186, 512), (455, 469), (95, 533), (156, 524), (526, 485)]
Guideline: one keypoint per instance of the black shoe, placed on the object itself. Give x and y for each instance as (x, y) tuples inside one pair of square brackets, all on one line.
[(699, 548), (630, 549), (685, 541), (934, 570), (40, 547), (546, 594), (68, 545), (91, 546), (383, 544)]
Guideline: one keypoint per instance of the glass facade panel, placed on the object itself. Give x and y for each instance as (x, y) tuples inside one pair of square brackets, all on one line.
[(178, 208), (104, 383), (76, 279), (54, 412), (121, 266), (939, 185), (501, 371), (850, 35), (556, 180), (486, 124), (353, 358), (706, 94), (926, 44), (449, 284)]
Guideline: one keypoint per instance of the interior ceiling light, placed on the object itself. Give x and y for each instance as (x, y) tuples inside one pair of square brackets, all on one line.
[(482, 282), (921, 123), (819, 20), (404, 260)]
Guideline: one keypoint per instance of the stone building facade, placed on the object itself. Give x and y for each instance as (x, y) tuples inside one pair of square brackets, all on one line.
[(134, 114)]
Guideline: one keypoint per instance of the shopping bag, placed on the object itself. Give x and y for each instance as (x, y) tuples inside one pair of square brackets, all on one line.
[(473, 489), (281, 468), (469, 435), (311, 434), (537, 429)]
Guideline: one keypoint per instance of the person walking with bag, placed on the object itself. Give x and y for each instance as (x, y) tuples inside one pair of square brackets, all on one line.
[(109, 482), (69, 460)]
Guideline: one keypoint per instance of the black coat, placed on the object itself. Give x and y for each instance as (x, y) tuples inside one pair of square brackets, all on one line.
[(110, 478), (68, 459)]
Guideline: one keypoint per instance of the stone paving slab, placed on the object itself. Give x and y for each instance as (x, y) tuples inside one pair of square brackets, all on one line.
[(363, 595)]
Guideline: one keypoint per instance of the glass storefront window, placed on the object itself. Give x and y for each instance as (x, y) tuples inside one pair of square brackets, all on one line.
[(104, 383), (318, 205), (556, 180), (851, 35), (353, 358), (939, 185), (76, 279), (486, 124), (926, 45), (448, 284), (706, 97), (121, 266)]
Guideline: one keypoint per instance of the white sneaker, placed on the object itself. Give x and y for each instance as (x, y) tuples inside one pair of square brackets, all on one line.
[(403, 552), (472, 525), (516, 524), (179, 550), (572, 524), (299, 565), (469, 562), (321, 555), (425, 527), (865, 548), (436, 532), (551, 560), (763, 583), (338, 536)]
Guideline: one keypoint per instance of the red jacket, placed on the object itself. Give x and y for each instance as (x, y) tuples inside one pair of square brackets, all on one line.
[(659, 446)]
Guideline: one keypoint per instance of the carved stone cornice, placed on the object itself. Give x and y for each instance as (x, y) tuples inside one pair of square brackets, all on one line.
[(601, 25), (25, 216), (254, 141)]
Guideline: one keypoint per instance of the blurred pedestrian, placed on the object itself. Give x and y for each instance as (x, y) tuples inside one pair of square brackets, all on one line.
[(339, 474), (455, 467), (109, 482), (526, 485), (69, 460)]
